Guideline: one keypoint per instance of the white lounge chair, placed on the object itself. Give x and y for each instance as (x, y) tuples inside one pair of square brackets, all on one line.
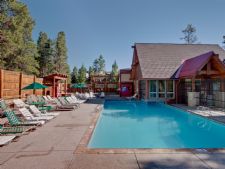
[(70, 100), (50, 98), (92, 95), (64, 107), (19, 103), (6, 139), (77, 100), (102, 95), (37, 112), (66, 103), (28, 116)]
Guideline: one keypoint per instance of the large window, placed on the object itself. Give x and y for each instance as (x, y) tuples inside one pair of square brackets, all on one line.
[(161, 89), (153, 89)]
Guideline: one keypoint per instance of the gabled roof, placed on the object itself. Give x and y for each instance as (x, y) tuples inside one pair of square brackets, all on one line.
[(191, 67), (161, 60)]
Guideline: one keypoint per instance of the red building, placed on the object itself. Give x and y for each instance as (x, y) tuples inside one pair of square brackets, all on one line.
[(126, 84)]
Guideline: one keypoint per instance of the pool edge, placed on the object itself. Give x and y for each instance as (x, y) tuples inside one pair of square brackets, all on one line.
[(83, 148)]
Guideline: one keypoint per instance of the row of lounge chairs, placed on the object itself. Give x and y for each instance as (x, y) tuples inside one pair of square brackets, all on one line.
[(35, 112)]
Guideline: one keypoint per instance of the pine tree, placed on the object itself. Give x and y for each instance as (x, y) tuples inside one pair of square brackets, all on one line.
[(45, 51), (96, 66), (74, 75), (18, 51), (101, 62), (99, 65), (60, 58), (189, 34), (91, 71), (82, 74), (114, 72)]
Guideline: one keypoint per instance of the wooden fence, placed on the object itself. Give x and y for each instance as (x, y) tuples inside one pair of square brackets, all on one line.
[(11, 83)]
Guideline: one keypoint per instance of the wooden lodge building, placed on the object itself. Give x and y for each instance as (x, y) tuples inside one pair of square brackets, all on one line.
[(104, 82), (179, 73)]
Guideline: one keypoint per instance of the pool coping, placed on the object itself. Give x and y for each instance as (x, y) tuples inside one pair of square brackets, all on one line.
[(83, 148)]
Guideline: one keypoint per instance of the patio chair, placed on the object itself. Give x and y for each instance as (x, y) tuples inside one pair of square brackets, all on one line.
[(81, 96), (102, 95), (29, 117), (65, 103), (92, 95), (3, 105), (37, 112), (19, 103), (31, 99), (50, 98), (70, 100), (6, 140), (73, 101), (51, 102), (63, 107), (15, 130), (77, 100), (15, 121), (42, 105)]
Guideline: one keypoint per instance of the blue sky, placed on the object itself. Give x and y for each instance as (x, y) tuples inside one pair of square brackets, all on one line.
[(111, 27)]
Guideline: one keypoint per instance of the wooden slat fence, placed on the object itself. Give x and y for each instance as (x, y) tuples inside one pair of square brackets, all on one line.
[(11, 83)]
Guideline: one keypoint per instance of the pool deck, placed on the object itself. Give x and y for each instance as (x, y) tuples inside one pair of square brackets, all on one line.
[(210, 113), (53, 146)]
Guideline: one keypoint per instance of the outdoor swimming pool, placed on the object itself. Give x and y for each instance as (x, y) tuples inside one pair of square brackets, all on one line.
[(153, 125)]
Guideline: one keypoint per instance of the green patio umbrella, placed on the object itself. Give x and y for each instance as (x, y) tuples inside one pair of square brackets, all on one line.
[(79, 85), (34, 86)]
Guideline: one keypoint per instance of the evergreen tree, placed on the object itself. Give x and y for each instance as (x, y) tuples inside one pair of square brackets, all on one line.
[(18, 51), (45, 51), (96, 66), (91, 71), (189, 34), (74, 75), (99, 65), (114, 71), (67, 70), (101, 62), (60, 58), (82, 74)]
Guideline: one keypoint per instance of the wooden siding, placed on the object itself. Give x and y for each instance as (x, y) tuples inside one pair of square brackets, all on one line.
[(11, 83)]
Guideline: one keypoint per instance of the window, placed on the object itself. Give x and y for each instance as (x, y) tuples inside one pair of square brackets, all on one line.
[(153, 88), (169, 89), (162, 89)]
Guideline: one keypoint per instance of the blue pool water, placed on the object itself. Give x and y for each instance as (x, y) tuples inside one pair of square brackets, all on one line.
[(152, 125)]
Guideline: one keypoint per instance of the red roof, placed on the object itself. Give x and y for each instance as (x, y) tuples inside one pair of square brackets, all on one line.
[(127, 70), (191, 66)]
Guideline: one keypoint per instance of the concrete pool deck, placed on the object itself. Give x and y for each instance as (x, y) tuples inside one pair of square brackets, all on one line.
[(53, 147)]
